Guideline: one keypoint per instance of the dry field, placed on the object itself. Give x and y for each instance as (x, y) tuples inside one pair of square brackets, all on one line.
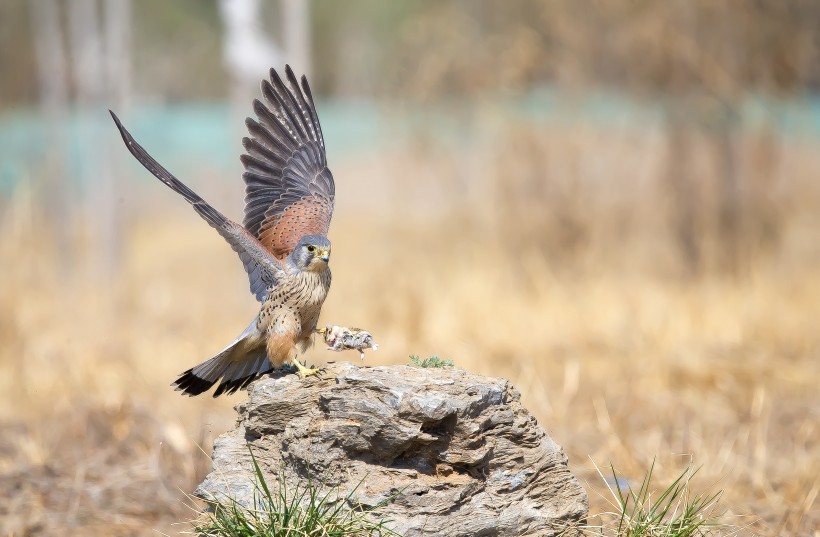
[(622, 356)]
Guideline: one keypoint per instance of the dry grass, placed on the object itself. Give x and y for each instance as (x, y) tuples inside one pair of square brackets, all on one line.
[(621, 360)]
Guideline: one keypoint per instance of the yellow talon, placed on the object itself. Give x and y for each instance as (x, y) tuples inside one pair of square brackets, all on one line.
[(303, 371)]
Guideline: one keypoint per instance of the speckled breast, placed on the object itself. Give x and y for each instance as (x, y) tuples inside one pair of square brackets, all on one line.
[(295, 304), (312, 293)]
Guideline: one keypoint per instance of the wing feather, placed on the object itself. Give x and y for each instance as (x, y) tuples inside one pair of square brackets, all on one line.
[(311, 108), (275, 92), (302, 106), (279, 127), (289, 190), (262, 268)]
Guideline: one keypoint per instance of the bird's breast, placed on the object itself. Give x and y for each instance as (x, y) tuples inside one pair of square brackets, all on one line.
[(296, 302), (313, 287)]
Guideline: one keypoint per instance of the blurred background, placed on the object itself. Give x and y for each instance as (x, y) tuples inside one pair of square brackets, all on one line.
[(616, 205)]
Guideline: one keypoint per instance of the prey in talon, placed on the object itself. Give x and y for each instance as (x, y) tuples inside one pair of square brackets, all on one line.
[(342, 338), (282, 241)]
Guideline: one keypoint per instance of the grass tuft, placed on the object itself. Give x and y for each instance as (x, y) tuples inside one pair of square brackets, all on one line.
[(308, 510), (433, 361), (675, 512)]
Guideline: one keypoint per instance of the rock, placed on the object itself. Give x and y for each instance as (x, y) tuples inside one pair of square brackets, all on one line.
[(458, 451)]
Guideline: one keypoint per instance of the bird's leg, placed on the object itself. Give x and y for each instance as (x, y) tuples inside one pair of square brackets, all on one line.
[(303, 371)]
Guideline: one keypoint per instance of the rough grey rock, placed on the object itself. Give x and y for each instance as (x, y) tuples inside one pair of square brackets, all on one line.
[(458, 451)]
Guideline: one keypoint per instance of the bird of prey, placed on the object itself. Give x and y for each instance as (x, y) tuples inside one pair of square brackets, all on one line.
[(282, 241)]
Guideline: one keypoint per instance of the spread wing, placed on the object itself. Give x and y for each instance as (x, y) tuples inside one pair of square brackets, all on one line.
[(289, 189), (263, 270)]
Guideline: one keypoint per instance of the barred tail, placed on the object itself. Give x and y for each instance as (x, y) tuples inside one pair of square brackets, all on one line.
[(237, 366)]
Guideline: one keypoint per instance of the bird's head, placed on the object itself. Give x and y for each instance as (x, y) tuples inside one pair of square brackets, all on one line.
[(311, 253)]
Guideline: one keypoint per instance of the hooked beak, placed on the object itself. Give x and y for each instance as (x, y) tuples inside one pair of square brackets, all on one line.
[(324, 255)]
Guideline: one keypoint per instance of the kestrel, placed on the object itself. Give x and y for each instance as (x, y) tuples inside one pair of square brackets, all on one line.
[(282, 241)]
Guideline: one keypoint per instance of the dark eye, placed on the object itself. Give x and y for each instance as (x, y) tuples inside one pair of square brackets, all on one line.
[(311, 248)]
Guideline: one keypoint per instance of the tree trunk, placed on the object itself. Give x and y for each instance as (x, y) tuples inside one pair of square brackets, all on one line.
[(296, 21), (51, 70)]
